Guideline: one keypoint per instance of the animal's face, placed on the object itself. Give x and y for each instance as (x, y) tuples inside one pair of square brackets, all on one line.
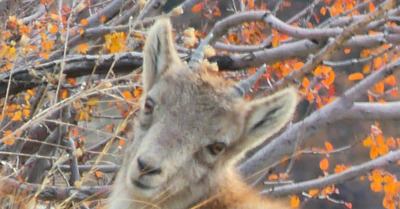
[(190, 126), (185, 126)]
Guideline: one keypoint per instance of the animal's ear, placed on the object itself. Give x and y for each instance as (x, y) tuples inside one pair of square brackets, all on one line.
[(159, 52), (267, 116)]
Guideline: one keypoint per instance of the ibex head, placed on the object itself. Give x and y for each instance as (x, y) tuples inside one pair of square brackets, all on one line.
[(191, 126)]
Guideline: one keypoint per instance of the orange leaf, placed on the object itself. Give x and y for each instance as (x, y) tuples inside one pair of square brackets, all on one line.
[(109, 127), (103, 19), (82, 48), (97, 174), (377, 62), (54, 29), (45, 55), (75, 132), (196, 8), (64, 93), (379, 87), (306, 82), (324, 164), (374, 152), (347, 51), (391, 142), (310, 97), (371, 7), (17, 116), (127, 94), (9, 141), (356, 76), (287, 4), (84, 22), (26, 113), (294, 201), (318, 70), (366, 68), (71, 81), (121, 142), (329, 81), (323, 10), (298, 65), (217, 12), (313, 192), (383, 149), (328, 146), (376, 186), (368, 142), (272, 177), (391, 80), (137, 92)]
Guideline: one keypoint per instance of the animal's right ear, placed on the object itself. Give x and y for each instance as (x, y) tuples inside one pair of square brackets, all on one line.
[(159, 52)]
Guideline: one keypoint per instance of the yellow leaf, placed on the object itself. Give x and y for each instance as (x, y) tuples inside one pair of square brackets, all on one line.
[(10, 140), (93, 101), (17, 116), (115, 42)]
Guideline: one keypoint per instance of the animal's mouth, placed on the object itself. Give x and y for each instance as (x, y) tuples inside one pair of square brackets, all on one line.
[(140, 185)]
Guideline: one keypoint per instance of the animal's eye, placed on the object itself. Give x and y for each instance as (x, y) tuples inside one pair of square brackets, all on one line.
[(216, 148), (148, 105)]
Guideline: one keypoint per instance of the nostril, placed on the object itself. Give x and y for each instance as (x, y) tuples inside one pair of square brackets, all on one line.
[(147, 169), (142, 165)]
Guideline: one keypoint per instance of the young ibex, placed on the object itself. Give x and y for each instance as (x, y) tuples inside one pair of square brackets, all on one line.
[(191, 130)]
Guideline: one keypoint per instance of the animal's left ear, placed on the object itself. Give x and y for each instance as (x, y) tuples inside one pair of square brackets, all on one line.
[(267, 116)]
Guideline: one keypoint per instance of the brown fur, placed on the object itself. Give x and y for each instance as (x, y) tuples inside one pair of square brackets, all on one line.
[(192, 112)]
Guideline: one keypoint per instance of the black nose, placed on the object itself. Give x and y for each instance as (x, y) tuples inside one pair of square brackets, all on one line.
[(147, 169)]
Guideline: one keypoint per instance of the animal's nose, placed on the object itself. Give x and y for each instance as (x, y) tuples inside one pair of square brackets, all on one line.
[(146, 169)]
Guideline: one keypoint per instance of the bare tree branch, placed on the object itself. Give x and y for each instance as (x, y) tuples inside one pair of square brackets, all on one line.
[(373, 111), (9, 186), (354, 171), (283, 145)]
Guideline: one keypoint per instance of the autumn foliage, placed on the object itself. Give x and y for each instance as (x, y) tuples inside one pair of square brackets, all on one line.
[(70, 76)]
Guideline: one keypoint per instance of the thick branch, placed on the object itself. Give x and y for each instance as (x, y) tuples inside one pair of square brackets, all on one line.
[(75, 66), (10, 186), (355, 171), (373, 111)]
